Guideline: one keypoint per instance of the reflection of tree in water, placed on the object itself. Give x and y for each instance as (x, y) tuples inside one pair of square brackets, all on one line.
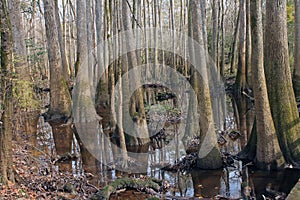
[(226, 183), (206, 183), (63, 135)]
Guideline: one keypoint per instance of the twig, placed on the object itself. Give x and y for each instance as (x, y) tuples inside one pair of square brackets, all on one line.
[(133, 16), (121, 190), (46, 154), (38, 161), (248, 164), (91, 185), (247, 95)]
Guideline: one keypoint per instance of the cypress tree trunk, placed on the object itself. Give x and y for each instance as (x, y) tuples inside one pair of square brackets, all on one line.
[(212, 158), (241, 81), (268, 154), (215, 37), (6, 165), (84, 112), (60, 99), (296, 77), (62, 44), (137, 108), (279, 82), (234, 45)]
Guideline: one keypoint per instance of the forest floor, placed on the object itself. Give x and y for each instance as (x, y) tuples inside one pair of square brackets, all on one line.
[(39, 179)]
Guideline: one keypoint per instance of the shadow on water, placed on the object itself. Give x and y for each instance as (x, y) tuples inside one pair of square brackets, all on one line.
[(274, 183), (230, 185), (207, 183), (63, 139)]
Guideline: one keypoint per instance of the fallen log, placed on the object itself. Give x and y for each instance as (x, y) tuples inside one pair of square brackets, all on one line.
[(127, 183)]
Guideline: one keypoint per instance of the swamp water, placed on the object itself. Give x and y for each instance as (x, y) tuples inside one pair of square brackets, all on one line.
[(234, 182), (58, 142)]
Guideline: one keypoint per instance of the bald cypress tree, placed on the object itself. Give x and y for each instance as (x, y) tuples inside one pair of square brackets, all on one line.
[(268, 154), (279, 81), (212, 158), (60, 99), (296, 75)]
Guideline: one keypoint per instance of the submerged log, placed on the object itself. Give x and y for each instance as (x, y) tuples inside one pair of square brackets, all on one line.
[(127, 183)]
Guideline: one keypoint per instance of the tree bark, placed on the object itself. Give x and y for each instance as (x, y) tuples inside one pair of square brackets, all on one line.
[(18, 39), (268, 154), (137, 104), (215, 40), (203, 17), (62, 44), (60, 99), (248, 44), (84, 103), (90, 45), (234, 45), (6, 165), (279, 83), (212, 159), (121, 135), (124, 183), (250, 113), (222, 59), (240, 84), (296, 77)]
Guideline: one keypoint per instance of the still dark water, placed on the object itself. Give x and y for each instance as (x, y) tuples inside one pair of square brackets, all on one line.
[(235, 182)]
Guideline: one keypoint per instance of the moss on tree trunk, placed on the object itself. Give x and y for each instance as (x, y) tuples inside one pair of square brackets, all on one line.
[(268, 154), (60, 99), (126, 183), (281, 95), (6, 106)]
